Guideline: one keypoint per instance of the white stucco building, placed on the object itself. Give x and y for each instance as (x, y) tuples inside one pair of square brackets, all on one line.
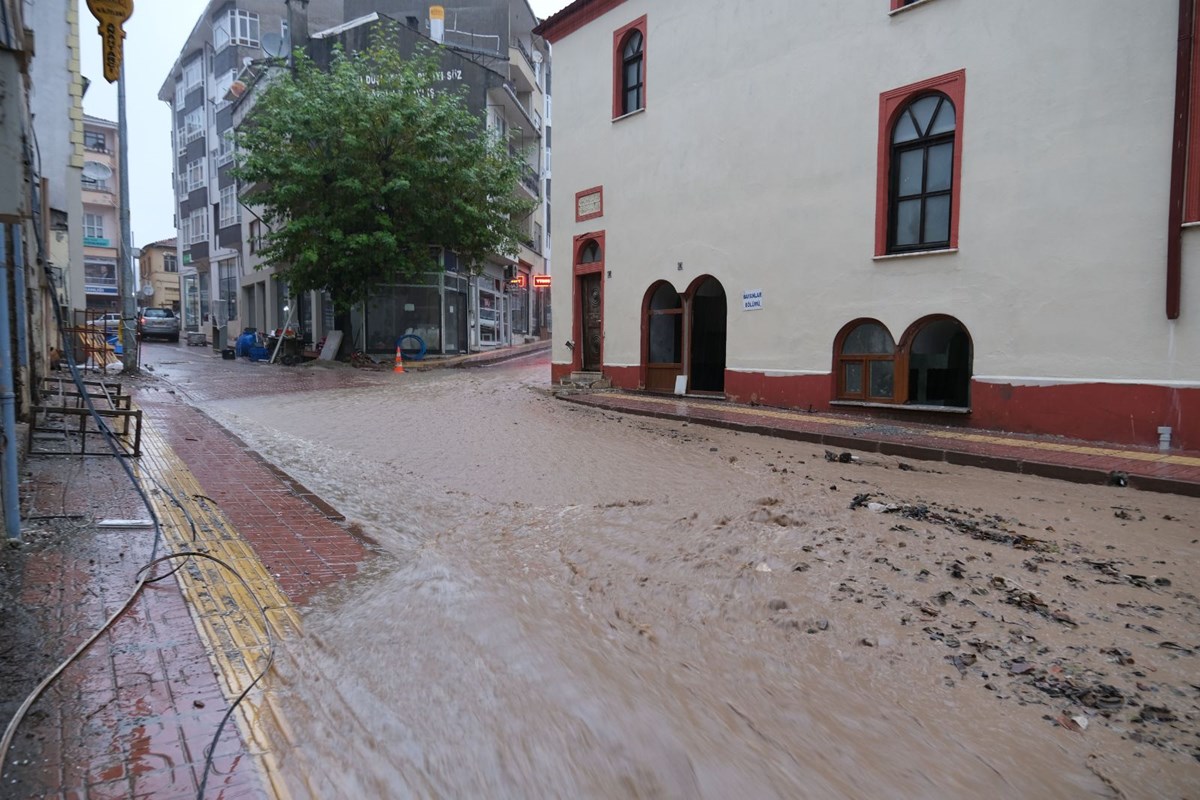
[(970, 213)]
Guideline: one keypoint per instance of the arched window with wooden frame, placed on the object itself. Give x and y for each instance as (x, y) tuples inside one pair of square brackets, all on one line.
[(922, 175), (662, 312), (629, 68), (865, 355)]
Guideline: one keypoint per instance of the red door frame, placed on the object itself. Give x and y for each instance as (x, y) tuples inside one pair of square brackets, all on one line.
[(577, 295)]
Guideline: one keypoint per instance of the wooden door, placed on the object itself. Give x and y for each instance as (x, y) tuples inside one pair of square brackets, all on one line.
[(592, 316)]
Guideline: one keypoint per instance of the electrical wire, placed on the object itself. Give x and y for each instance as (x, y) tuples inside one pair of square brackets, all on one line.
[(34, 157)]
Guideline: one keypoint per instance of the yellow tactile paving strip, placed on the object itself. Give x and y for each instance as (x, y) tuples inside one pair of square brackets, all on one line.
[(958, 436), (226, 615)]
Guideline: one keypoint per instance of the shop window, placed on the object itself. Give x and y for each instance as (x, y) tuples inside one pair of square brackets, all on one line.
[(866, 362), (629, 68)]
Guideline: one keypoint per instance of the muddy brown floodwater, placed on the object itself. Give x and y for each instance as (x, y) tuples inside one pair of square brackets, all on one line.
[(574, 603)]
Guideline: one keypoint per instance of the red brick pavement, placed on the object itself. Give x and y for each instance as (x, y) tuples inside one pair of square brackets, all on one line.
[(1084, 462), (134, 714)]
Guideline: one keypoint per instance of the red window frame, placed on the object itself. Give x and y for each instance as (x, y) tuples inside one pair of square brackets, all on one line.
[(954, 86), (619, 35)]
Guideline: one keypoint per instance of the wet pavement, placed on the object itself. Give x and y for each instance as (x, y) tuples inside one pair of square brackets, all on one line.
[(528, 597)]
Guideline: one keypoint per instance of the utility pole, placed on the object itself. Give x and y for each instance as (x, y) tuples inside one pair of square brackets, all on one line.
[(129, 343)]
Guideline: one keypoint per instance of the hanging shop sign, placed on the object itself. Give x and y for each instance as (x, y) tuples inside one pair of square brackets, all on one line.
[(111, 14)]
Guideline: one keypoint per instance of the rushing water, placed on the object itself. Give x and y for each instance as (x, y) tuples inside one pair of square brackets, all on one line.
[(571, 603)]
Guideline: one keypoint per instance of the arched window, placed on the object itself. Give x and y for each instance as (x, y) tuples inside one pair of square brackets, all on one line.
[(939, 362), (922, 166), (631, 73), (664, 337), (866, 363), (590, 252)]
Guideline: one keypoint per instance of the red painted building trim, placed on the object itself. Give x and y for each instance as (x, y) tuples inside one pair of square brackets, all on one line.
[(782, 391), (1099, 412), (619, 35), (573, 17), (559, 371), (584, 217), (954, 86)]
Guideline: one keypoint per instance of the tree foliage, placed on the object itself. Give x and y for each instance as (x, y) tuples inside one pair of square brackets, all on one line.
[(362, 170)]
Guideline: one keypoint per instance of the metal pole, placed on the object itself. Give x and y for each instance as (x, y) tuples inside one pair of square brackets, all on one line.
[(9, 242), (129, 344)]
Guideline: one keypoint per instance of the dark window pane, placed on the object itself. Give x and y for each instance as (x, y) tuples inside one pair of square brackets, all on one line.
[(633, 45), (937, 219), (881, 379), (923, 110), (869, 338), (665, 296), (939, 164), (590, 253), (911, 163), (908, 222), (852, 375), (945, 119), (905, 130), (633, 100), (633, 74), (666, 338)]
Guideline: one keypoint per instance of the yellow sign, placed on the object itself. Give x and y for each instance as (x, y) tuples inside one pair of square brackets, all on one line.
[(111, 14), (437, 12)]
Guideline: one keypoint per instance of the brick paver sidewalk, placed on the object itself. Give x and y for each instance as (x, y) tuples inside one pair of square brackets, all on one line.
[(1083, 462)]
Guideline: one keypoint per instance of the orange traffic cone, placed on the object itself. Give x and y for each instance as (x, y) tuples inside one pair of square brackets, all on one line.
[(399, 368)]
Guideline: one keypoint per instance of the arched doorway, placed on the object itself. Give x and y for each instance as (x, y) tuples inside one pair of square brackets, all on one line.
[(662, 331), (707, 318), (589, 264), (939, 362)]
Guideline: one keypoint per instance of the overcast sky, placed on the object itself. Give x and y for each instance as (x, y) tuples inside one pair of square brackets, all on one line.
[(153, 36)]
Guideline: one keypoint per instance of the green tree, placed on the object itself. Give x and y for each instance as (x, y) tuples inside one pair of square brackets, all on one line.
[(362, 170)]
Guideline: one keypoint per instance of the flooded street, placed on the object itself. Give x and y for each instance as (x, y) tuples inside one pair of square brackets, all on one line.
[(573, 603)]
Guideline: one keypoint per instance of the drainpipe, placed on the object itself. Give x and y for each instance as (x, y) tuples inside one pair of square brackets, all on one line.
[(1179, 152), (19, 306), (8, 417)]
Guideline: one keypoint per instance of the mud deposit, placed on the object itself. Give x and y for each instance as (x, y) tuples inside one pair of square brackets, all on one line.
[(574, 603)]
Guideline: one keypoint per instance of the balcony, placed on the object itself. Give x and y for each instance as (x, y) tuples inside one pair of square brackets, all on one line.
[(521, 69)]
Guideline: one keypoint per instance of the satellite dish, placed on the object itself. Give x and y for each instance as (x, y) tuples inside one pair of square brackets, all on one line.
[(148, 290), (95, 171), (274, 45)]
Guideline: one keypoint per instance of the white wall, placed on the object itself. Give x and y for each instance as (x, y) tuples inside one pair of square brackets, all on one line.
[(755, 162)]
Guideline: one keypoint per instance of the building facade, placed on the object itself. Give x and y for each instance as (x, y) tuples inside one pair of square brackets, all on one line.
[(158, 268), (56, 99), (211, 229), (966, 225), (102, 234), (225, 285)]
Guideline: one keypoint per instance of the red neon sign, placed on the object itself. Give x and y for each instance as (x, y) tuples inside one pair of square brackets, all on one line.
[(518, 281), (541, 281)]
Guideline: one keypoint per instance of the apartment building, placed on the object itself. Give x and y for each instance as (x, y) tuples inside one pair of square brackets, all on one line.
[(978, 214), (224, 285), (101, 217), (158, 268)]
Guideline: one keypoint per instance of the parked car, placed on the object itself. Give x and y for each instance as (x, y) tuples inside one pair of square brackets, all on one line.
[(158, 322), (110, 322)]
